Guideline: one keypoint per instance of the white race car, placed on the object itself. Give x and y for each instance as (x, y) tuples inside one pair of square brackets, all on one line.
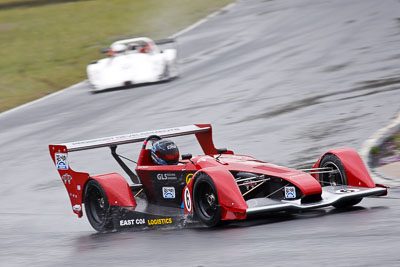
[(133, 61)]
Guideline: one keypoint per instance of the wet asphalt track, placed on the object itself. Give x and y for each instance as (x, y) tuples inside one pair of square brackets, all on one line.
[(281, 80)]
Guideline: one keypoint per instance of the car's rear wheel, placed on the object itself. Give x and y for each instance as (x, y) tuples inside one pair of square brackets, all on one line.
[(205, 200), (165, 75), (97, 207), (336, 177)]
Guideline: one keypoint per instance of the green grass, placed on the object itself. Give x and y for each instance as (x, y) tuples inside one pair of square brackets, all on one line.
[(44, 48), (396, 140)]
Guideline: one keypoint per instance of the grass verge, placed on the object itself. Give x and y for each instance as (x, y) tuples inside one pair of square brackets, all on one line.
[(46, 45)]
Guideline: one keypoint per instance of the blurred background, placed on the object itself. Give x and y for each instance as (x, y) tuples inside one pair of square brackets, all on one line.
[(46, 44)]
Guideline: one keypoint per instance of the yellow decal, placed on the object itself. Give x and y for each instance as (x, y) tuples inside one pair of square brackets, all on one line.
[(159, 221), (189, 177)]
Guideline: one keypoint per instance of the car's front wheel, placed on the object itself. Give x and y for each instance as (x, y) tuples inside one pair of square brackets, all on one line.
[(205, 200), (97, 207), (336, 177)]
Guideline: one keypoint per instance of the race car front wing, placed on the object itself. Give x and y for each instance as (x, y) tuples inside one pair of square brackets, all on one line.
[(330, 195)]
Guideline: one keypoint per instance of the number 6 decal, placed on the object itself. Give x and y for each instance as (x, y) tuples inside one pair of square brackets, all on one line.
[(188, 200)]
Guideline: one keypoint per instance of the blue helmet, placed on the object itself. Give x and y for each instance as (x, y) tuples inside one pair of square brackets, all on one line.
[(165, 152)]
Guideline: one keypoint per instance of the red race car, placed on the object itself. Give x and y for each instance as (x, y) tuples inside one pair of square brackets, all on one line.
[(218, 186)]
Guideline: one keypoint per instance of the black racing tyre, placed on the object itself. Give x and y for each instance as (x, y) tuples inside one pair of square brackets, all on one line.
[(205, 201), (97, 207), (165, 74), (338, 177)]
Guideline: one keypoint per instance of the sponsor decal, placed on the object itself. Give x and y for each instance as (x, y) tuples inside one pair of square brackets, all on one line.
[(168, 192), (347, 190), (187, 200), (61, 161), (66, 178), (77, 207), (171, 146), (132, 222), (133, 135), (189, 177), (159, 221), (290, 192), (166, 176)]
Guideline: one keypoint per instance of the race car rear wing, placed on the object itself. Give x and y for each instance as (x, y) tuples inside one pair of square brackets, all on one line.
[(202, 132), (164, 41), (75, 181)]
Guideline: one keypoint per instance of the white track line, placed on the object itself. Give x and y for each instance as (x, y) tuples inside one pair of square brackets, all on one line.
[(375, 140), (198, 23), (189, 28)]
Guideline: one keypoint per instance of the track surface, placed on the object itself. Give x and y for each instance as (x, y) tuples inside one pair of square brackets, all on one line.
[(280, 80)]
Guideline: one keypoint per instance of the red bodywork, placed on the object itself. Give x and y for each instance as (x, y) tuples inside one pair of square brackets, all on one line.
[(117, 189), (217, 166), (115, 186), (357, 174), (229, 196)]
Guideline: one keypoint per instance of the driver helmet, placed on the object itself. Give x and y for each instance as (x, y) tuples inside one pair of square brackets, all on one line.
[(145, 48), (165, 152)]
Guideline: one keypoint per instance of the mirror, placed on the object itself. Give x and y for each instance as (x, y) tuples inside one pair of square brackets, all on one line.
[(186, 156), (221, 150)]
